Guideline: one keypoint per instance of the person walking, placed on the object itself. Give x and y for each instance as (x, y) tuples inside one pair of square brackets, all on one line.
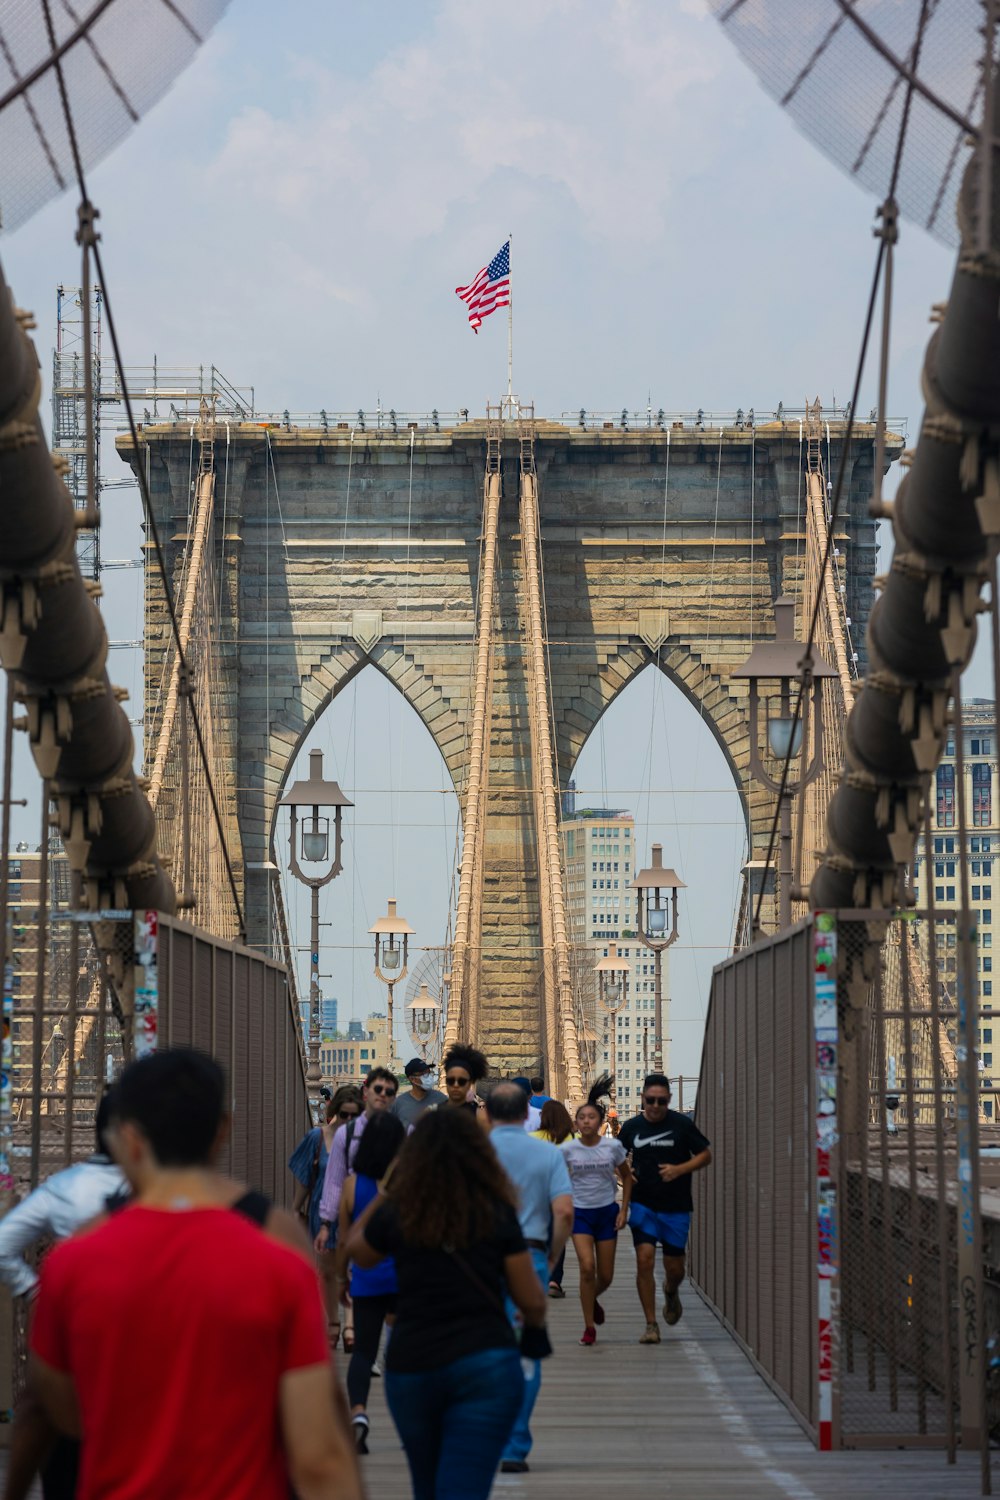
[(533, 1119), (409, 1107), (464, 1067), (539, 1098), (545, 1213), (595, 1161), (665, 1148), (307, 1164), (555, 1127), (372, 1292), (453, 1378), (378, 1093), (187, 1345), (58, 1208)]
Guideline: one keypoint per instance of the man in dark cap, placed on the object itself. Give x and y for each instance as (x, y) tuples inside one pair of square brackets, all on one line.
[(409, 1107)]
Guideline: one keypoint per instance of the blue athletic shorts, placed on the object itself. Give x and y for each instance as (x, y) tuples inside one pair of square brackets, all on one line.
[(599, 1223), (651, 1228)]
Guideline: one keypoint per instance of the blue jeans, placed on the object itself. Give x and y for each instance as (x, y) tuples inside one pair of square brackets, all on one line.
[(519, 1443), (454, 1421)]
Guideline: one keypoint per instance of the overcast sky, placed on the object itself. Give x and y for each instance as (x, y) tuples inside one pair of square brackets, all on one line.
[(299, 210)]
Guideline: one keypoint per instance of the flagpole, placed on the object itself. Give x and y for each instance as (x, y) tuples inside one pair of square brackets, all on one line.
[(510, 322)]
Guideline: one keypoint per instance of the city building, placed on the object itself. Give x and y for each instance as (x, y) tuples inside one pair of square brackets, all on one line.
[(327, 1015), (347, 1059), (982, 847), (598, 846)]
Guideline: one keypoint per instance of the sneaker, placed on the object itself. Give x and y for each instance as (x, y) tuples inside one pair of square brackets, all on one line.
[(652, 1334), (360, 1427), (672, 1309), (376, 1371), (598, 1314), (589, 1336), (555, 1290), (513, 1466)]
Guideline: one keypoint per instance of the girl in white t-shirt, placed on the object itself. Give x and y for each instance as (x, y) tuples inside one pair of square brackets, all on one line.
[(595, 1162)]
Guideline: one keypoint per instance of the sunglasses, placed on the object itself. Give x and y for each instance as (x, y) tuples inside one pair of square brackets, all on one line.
[(347, 1114), (379, 1088), (458, 1083), (656, 1100)]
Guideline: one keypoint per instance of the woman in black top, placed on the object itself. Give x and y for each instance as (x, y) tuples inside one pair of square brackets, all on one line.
[(452, 1368), (464, 1067)]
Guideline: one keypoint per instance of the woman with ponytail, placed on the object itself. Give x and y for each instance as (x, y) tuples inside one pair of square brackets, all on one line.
[(594, 1162)]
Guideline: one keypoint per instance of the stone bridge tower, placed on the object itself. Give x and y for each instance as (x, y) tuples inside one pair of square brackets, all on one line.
[(335, 548)]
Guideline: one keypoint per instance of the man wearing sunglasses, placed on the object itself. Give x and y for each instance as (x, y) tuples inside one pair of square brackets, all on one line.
[(665, 1148), (379, 1093)]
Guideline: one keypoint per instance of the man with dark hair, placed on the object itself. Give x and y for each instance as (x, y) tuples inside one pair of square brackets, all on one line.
[(190, 1347), (665, 1148), (539, 1098), (423, 1095), (545, 1198), (59, 1207), (378, 1092)]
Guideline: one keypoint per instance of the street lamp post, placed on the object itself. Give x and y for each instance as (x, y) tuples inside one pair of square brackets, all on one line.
[(612, 979), (392, 937), (314, 848), (657, 889), (423, 1013), (782, 661)]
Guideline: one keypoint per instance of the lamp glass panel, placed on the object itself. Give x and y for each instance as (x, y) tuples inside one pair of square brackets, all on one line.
[(390, 956), (613, 989), (656, 919), (780, 733), (315, 844)]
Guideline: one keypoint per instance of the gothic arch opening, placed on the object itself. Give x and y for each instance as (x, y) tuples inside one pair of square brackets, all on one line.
[(653, 755), (399, 841)]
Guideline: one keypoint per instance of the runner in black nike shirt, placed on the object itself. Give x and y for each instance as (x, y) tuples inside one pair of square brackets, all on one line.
[(665, 1148)]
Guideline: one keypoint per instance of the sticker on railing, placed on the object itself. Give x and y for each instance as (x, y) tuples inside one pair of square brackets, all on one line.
[(824, 933), (147, 992)]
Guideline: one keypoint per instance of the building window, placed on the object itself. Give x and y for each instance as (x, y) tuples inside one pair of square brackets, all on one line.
[(988, 1108), (949, 846), (988, 1035), (986, 916), (949, 893), (946, 796), (987, 1059), (939, 846), (975, 747), (975, 893), (981, 796), (987, 986), (987, 965)]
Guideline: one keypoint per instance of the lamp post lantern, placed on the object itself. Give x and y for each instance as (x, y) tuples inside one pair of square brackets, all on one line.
[(657, 889), (313, 846), (782, 661), (612, 980), (392, 937), (423, 1013)]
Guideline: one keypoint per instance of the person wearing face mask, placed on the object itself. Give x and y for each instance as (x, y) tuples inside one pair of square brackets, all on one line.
[(378, 1093)]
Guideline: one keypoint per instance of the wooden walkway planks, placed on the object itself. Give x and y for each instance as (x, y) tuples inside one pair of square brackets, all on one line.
[(689, 1418)]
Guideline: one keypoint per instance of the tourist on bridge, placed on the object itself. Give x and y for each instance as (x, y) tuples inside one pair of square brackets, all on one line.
[(665, 1148), (378, 1092), (453, 1377), (187, 1346), (372, 1292), (555, 1126), (307, 1164), (539, 1098), (56, 1209), (533, 1119), (596, 1163), (545, 1213), (419, 1075), (464, 1067)]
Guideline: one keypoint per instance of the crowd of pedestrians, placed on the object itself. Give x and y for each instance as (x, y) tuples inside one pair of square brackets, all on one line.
[(187, 1334)]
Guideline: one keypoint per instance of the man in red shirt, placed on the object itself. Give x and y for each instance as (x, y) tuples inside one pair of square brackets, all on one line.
[(186, 1348)]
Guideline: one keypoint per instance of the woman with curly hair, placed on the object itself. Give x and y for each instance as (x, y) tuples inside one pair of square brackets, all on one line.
[(453, 1377), (464, 1067), (594, 1162)]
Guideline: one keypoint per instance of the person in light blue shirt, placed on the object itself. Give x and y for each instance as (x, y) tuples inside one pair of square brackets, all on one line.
[(538, 1172)]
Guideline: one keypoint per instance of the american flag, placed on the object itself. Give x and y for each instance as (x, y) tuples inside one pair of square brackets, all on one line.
[(489, 288)]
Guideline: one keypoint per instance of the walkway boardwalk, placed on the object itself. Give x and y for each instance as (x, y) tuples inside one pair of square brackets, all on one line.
[(689, 1418)]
